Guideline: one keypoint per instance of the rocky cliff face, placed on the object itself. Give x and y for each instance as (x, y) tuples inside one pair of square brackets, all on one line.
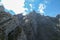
[(10, 28), (33, 26), (39, 27)]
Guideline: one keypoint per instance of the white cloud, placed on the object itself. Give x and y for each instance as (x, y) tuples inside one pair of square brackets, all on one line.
[(16, 5), (31, 7), (41, 8)]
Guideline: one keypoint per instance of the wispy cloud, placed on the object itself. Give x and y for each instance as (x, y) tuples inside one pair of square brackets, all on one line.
[(42, 7), (31, 7)]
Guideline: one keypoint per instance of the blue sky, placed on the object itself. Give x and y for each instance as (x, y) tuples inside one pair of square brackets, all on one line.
[(53, 8), (44, 7)]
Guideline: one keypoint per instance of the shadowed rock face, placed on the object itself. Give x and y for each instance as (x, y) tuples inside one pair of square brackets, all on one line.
[(39, 27)]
